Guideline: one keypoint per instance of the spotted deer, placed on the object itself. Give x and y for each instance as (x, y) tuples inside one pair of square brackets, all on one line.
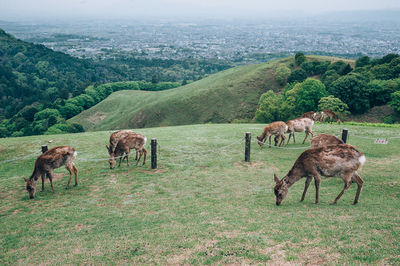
[(328, 113), (276, 129), (49, 160), (125, 144), (299, 125), (333, 160), (324, 140)]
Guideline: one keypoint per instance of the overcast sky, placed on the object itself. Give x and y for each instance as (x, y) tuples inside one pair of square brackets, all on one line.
[(31, 9)]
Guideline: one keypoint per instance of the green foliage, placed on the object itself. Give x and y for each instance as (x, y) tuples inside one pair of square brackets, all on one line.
[(298, 75), (333, 104), (362, 61), (299, 58), (308, 93), (395, 102), (282, 72), (340, 67), (69, 110), (315, 67), (379, 93), (268, 108), (351, 90), (46, 114)]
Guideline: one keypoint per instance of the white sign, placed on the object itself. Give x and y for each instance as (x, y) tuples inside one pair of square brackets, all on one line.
[(381, 141)]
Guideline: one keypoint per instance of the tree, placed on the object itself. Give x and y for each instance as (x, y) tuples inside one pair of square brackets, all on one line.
[(299, 58), (362, 61), (378, 92), (309, 93), (340, 67), (351, 89), (298, 75), (395, 102), (268, 108), (333, 104), (282, 72)]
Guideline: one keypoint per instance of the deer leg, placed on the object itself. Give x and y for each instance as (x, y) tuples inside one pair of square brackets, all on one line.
[(145, 154), (347, 183), (50, 175), (282, 140), (140, 156), (43, 175), (120, 160), (75, 173), (308, 181), (136, 156), (127, 158), (317, 181), (70, 169), (290, 134), (360, 183)]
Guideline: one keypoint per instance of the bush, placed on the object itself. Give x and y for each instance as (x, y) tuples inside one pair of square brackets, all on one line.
[(333, 104), (268, 108)]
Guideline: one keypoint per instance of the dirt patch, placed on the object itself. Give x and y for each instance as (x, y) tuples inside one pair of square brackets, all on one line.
[(96, 118), (158, 171)]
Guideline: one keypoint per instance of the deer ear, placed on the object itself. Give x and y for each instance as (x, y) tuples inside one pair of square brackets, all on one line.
[(276, 179)]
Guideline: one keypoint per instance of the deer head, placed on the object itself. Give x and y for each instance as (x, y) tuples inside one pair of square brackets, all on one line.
[(259, 141), (30, 187), (281, 189), (112, 160)]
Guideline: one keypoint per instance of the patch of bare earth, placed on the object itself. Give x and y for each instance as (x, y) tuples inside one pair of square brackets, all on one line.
[(249, 166), (96, 118)]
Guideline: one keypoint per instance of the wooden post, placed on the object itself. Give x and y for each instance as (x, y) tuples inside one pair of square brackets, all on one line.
[(153, 153), (247, 147), (44, 148), (344, 135)]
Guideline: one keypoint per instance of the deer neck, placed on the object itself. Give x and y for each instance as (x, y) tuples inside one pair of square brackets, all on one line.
[(292, 177)]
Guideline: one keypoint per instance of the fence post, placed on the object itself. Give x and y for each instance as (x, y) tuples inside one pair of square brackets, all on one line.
[(153, 153), (344, 135), (44, 148), (247, 147)]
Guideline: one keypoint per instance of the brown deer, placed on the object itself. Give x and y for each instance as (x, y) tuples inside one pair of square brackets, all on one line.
[(49, 160), (122, 150), (331, 160), (310, 115), (328, 113), (299, 125), (276, 129), (116, 136), (324, 140)]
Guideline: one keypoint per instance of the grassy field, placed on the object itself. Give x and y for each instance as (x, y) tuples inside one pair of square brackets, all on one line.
[(203, 205)]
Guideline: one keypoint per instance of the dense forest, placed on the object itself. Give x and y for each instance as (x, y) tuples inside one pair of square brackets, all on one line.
[(313, 84), (41, 88)]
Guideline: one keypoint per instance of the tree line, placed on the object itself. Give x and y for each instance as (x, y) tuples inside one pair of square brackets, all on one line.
[(314, 84)]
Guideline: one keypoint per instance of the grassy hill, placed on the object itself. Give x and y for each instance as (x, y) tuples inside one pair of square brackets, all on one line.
[(203, 205), (222, 97), (219, 98)]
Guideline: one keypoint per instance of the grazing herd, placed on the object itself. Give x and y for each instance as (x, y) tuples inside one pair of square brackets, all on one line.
[(328, 156)]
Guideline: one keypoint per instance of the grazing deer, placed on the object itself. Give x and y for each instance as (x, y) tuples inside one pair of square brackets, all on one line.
[(328, 113), (299, 125), (276, 129), (324, 140), (331, 160), (122, 150), (49, 160), (116, 136)]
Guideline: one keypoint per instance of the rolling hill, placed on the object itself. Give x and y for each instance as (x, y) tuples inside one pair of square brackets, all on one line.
[(222, 97)]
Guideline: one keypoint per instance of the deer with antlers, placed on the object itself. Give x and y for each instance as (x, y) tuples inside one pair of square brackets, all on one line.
[(333, 160), (49, 160)]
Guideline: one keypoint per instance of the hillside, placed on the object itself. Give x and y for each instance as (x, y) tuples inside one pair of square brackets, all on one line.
[(222, 97), (31, 73)]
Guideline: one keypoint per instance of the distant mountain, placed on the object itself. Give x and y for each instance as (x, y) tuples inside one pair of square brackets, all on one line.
[(32, 73)]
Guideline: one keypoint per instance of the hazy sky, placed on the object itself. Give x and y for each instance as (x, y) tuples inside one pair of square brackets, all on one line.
[(17, 9)]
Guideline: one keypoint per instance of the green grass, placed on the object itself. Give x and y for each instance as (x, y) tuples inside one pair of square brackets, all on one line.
[(204, 205), (219, 98)]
